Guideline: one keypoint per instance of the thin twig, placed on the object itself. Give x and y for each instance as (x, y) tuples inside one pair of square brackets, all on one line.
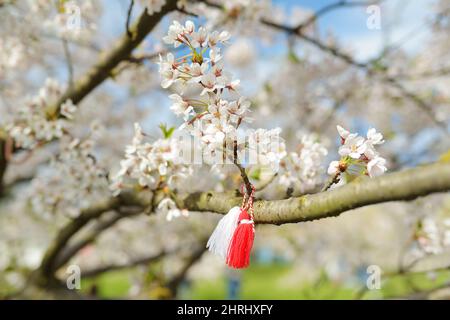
[(127, 26), (182, 10), (337, 105), (113, 267), (334, 180), (69, 62), (247, 183), (331, 7)]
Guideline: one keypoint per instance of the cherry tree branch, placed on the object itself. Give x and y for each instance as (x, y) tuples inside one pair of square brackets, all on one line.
[(338, 104), (127, 24), (331, 7), (61, 250), (45, 272), (109, 60), (409, 272), (3, 163), (69, 62), (73, 248), (113, 267), (245, 179), (398, 186), (404, 185), (333, 180), (174, 283)]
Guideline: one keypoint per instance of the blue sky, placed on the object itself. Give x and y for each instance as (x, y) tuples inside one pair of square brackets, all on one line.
[(400, 20), (403, 21)]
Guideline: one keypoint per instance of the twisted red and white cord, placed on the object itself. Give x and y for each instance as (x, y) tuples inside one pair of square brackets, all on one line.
[(234, 235)]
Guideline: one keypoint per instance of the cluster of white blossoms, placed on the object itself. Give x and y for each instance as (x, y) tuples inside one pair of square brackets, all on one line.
[(201, 89), (32, 124), (302, 170), (202, 97), (153, 6), (151, 165), (241, 53), (359, 154), (73, 20), (12, 52), (249, 8), (265, 148), (168, 207), (73, 182), (433, 237)]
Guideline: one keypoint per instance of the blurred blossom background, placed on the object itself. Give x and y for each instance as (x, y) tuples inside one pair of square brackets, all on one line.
[(305, 67)]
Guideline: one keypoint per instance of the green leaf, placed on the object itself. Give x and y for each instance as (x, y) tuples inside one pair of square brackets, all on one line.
[(167, 132), (256, 174)]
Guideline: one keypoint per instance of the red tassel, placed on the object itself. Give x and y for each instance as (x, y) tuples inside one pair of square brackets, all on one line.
[(242, 242)]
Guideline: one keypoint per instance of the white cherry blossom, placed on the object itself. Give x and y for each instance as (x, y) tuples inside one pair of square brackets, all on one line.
[(302, 169), (168, 206), (68, 109), (212, 116), (149, 164), (168, 70), (333, 168), (359, 152), (374, 137), (376, 167), (32, 122), (342, 132), (353, 146), (181, 107), (174, 35)]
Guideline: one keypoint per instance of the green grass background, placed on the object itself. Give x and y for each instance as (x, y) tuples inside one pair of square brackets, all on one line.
[(270, 282)]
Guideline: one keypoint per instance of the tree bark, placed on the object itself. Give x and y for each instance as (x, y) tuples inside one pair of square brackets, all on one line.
[(3, 164), (405, 185), (44, 275)]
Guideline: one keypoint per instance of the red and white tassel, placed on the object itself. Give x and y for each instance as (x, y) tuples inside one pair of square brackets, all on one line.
[(234, 235), (220, 239), (242, 242)]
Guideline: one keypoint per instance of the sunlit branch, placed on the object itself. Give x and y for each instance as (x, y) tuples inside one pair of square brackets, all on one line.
[(114, 267), (404, 185), (102, 225)]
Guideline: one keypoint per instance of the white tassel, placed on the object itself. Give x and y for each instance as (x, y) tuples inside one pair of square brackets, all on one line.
[(220, 239)]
